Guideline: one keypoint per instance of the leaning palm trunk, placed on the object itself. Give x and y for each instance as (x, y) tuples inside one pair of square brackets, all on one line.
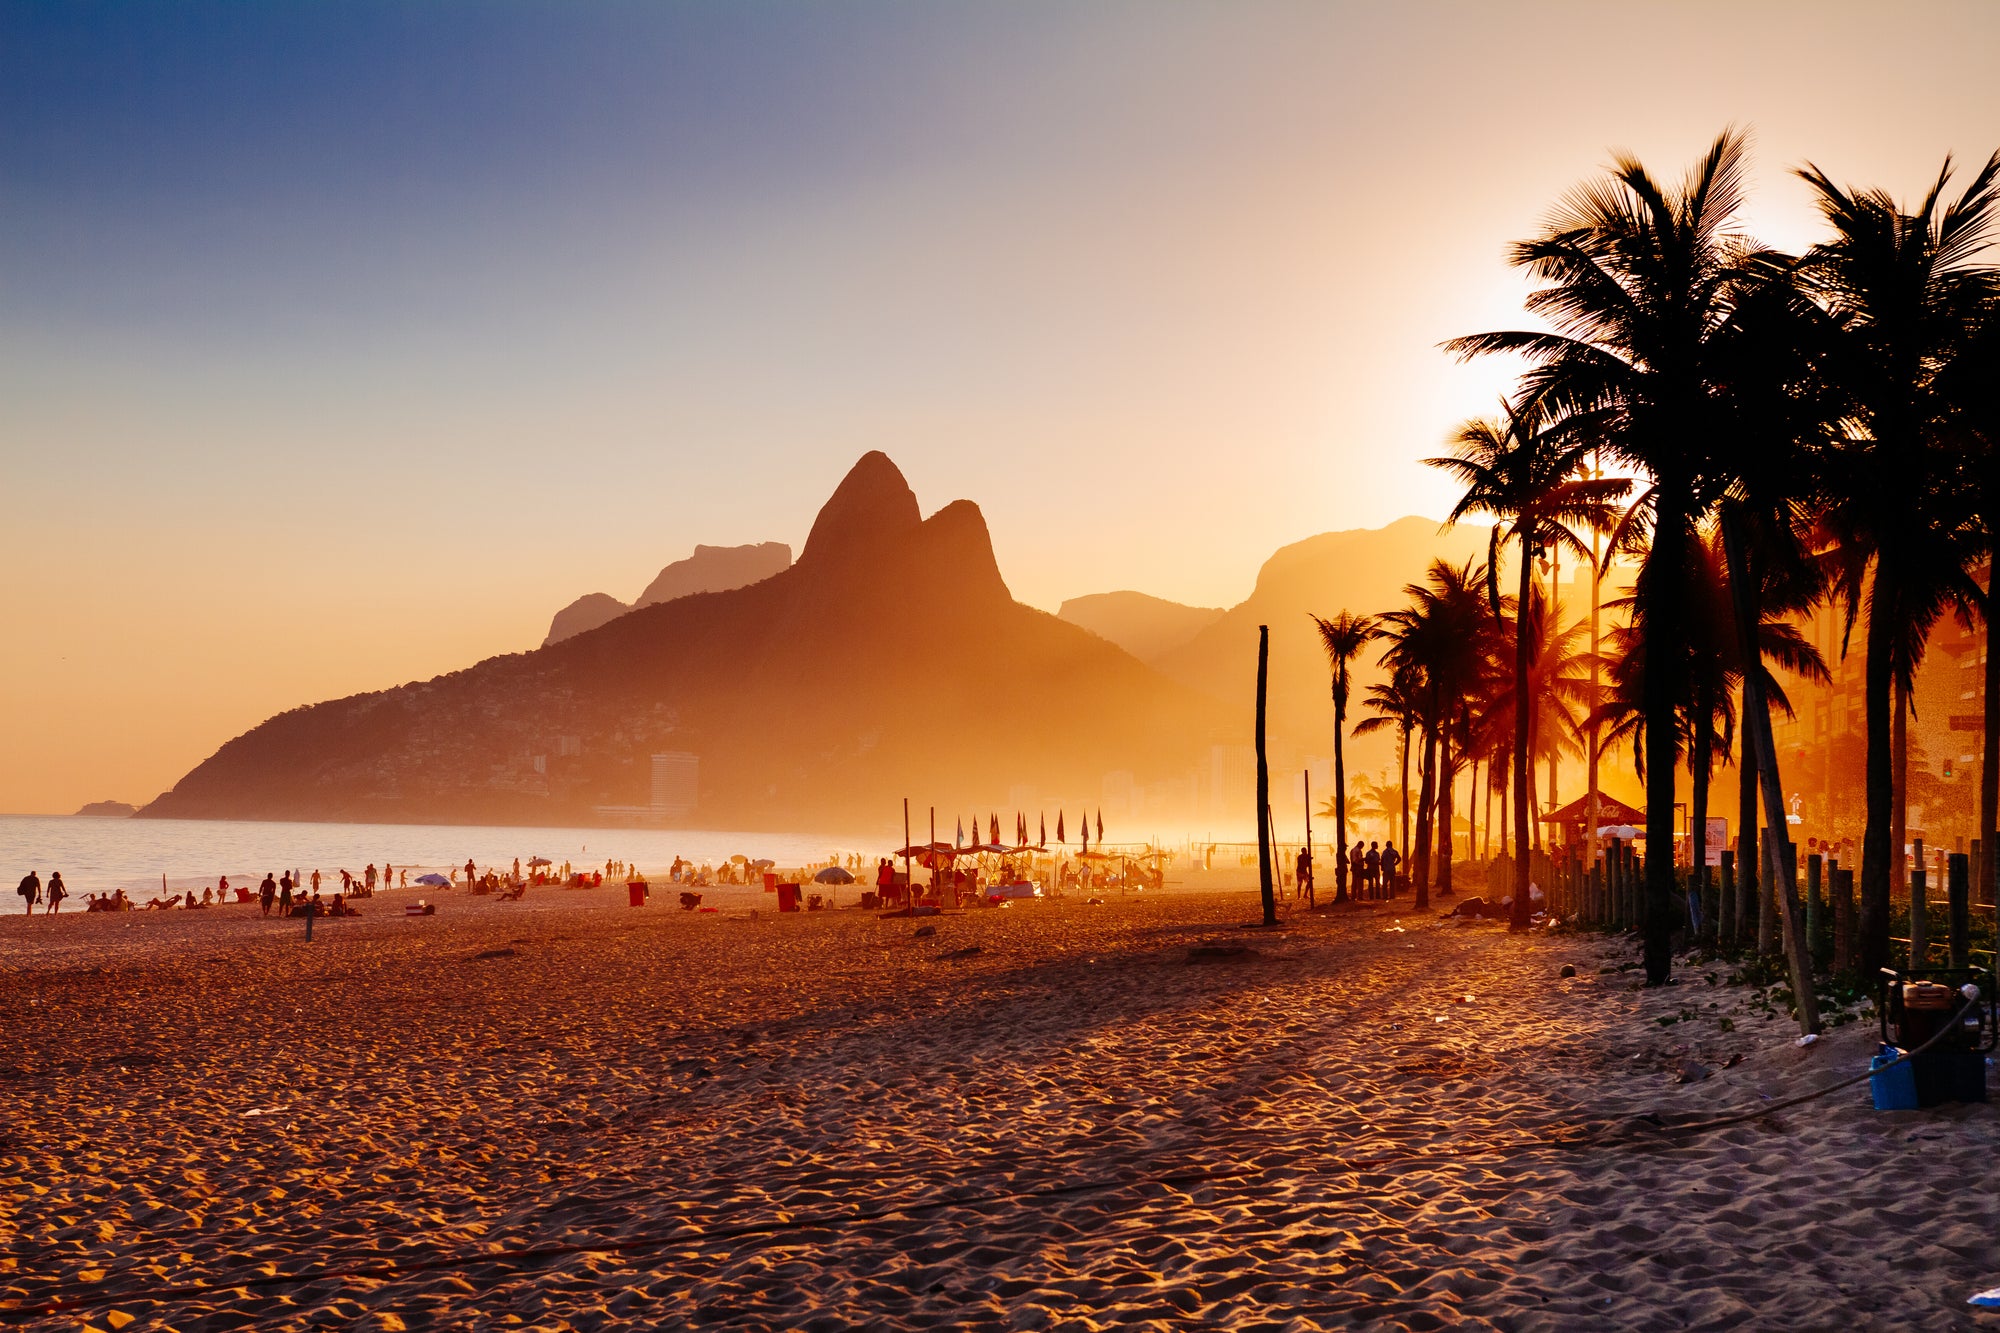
[(1523, 771), (1779, 856), (1899, 798)]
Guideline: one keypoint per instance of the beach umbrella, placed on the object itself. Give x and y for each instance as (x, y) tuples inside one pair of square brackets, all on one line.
[(540, 861), (1020, 828), (434, 879), (1100, 826), (739, 859), (763, 863), (992, 828), (1043, 841), (834, 875), (1059, 829)]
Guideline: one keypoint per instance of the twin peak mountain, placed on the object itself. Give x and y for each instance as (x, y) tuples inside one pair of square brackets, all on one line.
[(889, 660)]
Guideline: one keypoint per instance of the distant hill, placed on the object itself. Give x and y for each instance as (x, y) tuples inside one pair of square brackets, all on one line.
[(1362, 570), (889, 661), (108, 810), (1146, 627), (709, 569)]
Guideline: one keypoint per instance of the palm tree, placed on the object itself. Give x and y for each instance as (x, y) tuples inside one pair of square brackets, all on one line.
[(1905, 291), (1343, 637), (1436, 639), (1972, 383), (1522, 470), (1639, 281)]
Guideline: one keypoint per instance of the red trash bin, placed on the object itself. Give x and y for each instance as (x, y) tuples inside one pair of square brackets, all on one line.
[(770, 881), (636, 890), (788, 897)]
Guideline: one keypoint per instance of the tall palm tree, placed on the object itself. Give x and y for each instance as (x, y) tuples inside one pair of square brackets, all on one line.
[(1638, 281), (1437, 638), (1343, 637), (1972, 383), (1522, 470), (1905, 290)]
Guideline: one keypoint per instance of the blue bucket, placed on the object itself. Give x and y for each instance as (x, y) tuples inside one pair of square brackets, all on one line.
[(1894, 1089)]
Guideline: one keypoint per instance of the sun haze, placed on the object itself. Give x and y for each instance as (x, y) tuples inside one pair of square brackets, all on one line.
[(343, 345)]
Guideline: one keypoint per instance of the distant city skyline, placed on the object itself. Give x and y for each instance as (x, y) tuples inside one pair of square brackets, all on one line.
[(345, 344)]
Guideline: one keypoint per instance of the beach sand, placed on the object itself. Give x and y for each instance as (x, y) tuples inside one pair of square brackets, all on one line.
[(825, 1121)]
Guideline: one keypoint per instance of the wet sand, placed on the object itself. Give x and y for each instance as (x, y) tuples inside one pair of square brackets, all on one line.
[(824, 1121)]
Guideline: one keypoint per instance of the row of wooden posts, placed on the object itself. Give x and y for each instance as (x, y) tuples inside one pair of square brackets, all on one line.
[(1611, 895)]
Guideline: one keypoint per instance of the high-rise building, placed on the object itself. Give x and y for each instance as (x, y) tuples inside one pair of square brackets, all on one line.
[(676, 782)]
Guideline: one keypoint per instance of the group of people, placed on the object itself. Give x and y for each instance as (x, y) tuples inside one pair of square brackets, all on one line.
[(1371, 870), (34, 894)]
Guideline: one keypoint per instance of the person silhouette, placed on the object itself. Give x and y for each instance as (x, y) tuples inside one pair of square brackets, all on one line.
[(30, 891), (57, 891)]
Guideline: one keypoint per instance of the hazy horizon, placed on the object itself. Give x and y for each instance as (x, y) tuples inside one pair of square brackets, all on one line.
[(344, 346)]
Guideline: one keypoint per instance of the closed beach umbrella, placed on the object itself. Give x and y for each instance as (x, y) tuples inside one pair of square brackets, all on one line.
[(1100, 826), (1059, 829)]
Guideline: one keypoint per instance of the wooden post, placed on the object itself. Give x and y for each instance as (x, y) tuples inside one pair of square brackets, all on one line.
[(1813, 864), (1264, 782), (1958, 884), (1843, 922), (906, 845), (1920, 911), (1309, 887), (1726, 933)]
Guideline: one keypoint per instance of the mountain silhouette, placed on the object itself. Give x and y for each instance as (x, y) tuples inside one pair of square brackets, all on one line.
[(1145, 626), (1363, 570), (709, 569), (890, 660)]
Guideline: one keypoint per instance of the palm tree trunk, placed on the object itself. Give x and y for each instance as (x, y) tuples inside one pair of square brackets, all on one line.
[(1426, 801), (1523, 772), (1663, 598), (1989, 762), (1340, 806), (1403, 755), (1704, 761), (1780, 858), (1743, 916), (1873, 932), (1445, 785), (1899, 817)]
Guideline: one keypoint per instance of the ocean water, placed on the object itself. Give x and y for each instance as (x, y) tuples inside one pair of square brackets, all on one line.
[(96, 855)]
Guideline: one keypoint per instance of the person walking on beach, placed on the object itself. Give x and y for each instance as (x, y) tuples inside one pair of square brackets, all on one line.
[(266, 892), (1305, 875), (315, 879), (30, 891), (285, 881), (368, 878), (57, 892), (284, 899), (1390, 859)]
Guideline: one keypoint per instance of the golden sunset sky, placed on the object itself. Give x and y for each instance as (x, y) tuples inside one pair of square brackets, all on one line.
[(343, 344)]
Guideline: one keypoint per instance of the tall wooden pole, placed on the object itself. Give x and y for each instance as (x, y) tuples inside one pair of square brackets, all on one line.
[(1264, 782), (1309, 823), (906, 845)]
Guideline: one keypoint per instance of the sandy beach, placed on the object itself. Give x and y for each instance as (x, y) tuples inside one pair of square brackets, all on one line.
[(1056, 1115)]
